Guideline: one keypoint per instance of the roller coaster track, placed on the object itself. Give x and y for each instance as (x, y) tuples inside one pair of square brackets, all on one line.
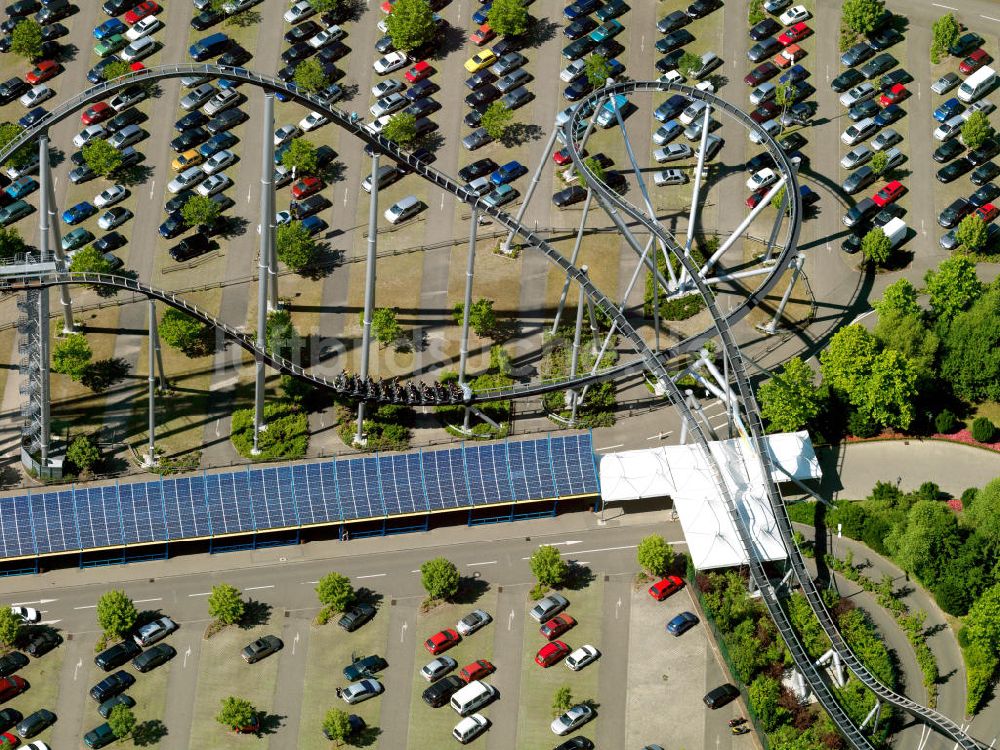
[(738, 371)]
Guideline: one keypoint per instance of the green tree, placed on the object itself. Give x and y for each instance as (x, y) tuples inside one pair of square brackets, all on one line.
[(325, 6), (439, 578), (496, 119), (596, 168), (385, 324), (26, 39), (654, 555), (310, 76), (82, 453), (900, 296), (971, 359), (876, 247), (946, 31), (301, 156), (971, 232), (115, 613), (295, 246), (337, 725), (953, 287), (122, 721), (983, 621), (411, 24), (983, 430), (11, 243), (790, 400), (688, 64), (508, 17), (548, 566), (482, 316), (562, 700), (281, 335), (10, 628), (115, 69), (71, 355), (764, 693), (976, 129), (200, 211), (862, 16), (225, 604), (755, 12), (784, 95), (909, 335), (236, 712), (597, 68), (847, 360), (401, 129), (925, 543), (102, 157), (335, 592), (983, 514), (879, 162), (89, 260), (182, 332), (8, 132)]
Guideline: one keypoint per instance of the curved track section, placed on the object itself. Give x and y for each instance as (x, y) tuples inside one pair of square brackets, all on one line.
[(817, 681)]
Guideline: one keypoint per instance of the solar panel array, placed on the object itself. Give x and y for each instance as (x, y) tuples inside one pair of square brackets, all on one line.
[(251, 500)]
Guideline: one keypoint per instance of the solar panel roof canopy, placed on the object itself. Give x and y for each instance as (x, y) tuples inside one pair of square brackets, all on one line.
[(257, 499)]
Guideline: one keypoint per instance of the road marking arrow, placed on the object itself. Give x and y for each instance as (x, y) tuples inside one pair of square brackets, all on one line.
[(510, 619), (618, 607), (402, 631), (77, 669), (295, 642), (40, 601), (186, 655)]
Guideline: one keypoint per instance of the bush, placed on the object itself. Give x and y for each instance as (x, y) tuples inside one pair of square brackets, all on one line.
[(225, 604), (83, 454), (764, 693), (655, 556), (335, 592), (548, 566), (983, 430), (945, 422), (115, 613), (71, 355), (861, 425), (286, 436)]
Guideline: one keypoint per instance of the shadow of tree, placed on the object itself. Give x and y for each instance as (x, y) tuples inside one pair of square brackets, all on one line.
[(540, 30), (270, 723), (67, 53), (149, 732), (519, 133), (365, 738), (580, 576), (235, 226), (368, 596), (452, 40), (350, 91), (134, 175), (470, 589), (255, 613)]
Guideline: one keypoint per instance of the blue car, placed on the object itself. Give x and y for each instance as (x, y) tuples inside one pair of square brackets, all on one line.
[(889, 115), (32, 117), (109, 28), (681, 624), (581, 8), (216, 143), (948, 110), (481, 16), (671, 107), (21, 187), (615, 68), (507, 173), (314, 225), (794, 74), (79, 212)]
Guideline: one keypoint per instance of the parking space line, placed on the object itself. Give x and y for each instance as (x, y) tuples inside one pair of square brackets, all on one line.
[(373, 575), (990, 18), (203, 593), (490, 562), (143, 601), (258, 588), (89, 606), (947, 7)]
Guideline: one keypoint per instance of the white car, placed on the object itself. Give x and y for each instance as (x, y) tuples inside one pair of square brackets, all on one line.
[(763, 92), (285, 133), (771, 127), (186, 179), (860, 93), (673, 152), (299, 12), (27, 614), (88, 134), (473, 621), (114, 217), (438, 668), (386, 87), (582, 657), (762, 179), (140, 49), (693, 111), (859, 131), (672, 76), (36, 95), (572, 70), (218, 161), (214, 184), (669, 177), (390, 63), (326, 36), (312, 121), (37, 744), (387, 105), (795, 14), (572, 719), (144, 27), (377, 125), (949, 128), (773, 6), (470, 727), (282, 217), (110, 196)]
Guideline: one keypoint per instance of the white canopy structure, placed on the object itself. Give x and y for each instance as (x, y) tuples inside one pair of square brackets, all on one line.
[(682, 473)]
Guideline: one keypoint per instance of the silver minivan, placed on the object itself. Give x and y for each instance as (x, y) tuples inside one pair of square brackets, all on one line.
[(387, 174), (127, 136), (403, 209), (139, 49), (388, 104)]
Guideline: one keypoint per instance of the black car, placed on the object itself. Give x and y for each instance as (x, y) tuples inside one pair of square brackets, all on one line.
[(764, 29), (579, 27), (861, 110), (121, 699), (190, 121), (893, 77), (190, 247), (670, 61), (42, 641), (482, 78), (576, 743), (507, 45), (763, 49), (420, 89), (333, 52), (303, 32), (114, 657), (792, 142), (474, 117), (189, 139), (860, 212), (53, 31), (12, 662), (674, 40), (35, 723), (989, 148), (117, 7), (441, 691), (356, 616), (846, 80), (611, 9), (569, 196), (857, 54), (483, 96), (298, 52), (887, 214), (579, 88), (986, 194), (947, 151), (176, 203), (720, 696), (109, 242), (124, 119), (12, 89), (701, 8), (965, 44), (761, 161), (951, 172), (851, 244), (153, 657), (9, 717), (226, 120), (423, 107), (173, 226), (287, 73), (384, 45), (207, 19), (985, 173), (672, 22), (311, 205), (479, 168), (881, 64), (884, 39), (23, 8), (111, 686), (609, 49), (955, 212), (579, 48), (235, 56)]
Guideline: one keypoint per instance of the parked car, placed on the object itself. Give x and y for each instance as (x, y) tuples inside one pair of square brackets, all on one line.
[(261, 648)]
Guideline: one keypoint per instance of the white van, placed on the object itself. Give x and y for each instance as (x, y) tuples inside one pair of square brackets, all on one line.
[(895, 230), (403, 209), (472, 697), (977, 84)]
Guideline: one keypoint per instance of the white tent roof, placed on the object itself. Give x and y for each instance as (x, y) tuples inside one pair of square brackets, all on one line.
[(682, 473)]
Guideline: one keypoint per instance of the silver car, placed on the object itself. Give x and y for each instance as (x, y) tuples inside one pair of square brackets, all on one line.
[(221, 101), (473, 621), (361, 690), (669, 177), (218, 161), (198, 96), (214, 184), (548, 607), (186, 179), (572, 719), (885, 139), (856, 157), (673, 152), (438, 668), (388, 104), (945, 83)]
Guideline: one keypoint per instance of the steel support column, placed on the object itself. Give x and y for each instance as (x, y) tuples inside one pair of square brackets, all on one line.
[(44, 327), (366, 332), (572, 260), (52, 237), (505, 248), (151, 345), (470, 267), (263, 254), (772, 327), (575, 360)]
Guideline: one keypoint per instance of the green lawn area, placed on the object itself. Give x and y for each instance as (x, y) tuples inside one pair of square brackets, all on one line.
[(222, 673), (431, 727), (989, 409), (538, 686), (43, 678), (330, 650)]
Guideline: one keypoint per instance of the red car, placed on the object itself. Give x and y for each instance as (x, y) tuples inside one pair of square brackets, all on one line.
[(556, 626), (387, 6), (763, 72), (252, 728), (419, 71), (8, 740), (889, 193), (974, 61), (988, 212), (550, 653), (482, 35), (45, 70), (441, 642), (766, 111), (665, 587), (477, 670), (306, 186), (142, 10), (96, 113), (11, 686), (755, 197), (561, 157), (136, 66), (795, 33), (894, 95)]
